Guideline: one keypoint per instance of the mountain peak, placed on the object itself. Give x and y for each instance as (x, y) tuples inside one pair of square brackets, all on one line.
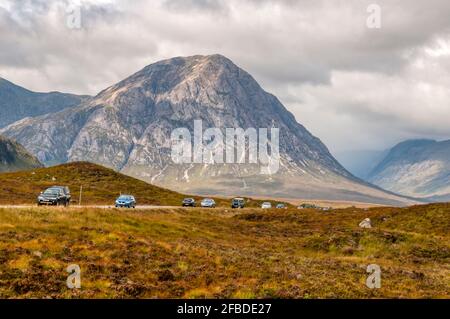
[(204, 76), (419, 168), (415, 142), (17, 102), (128, 127), (195, 59)]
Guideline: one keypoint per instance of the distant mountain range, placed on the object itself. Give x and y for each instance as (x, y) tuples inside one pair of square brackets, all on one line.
[(128, 126), (419, 168), (14, 157), (17, 103)]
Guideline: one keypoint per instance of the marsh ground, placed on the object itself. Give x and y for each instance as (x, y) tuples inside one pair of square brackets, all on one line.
[(224, 253)]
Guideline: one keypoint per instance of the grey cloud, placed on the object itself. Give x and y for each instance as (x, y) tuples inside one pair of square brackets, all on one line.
[(217, 6), (304, 51)]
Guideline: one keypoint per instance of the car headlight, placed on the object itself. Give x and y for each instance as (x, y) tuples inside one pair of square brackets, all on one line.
[(40, 198)]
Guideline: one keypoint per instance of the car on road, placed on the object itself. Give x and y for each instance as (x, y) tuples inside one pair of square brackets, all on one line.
[(238, 203), (127, 201), (307, 206), (266, 205), (208, 203), (188, 202), (66, 192), (281, 206), (56, 195)]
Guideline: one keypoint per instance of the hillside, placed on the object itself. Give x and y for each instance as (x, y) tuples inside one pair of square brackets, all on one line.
[(17, 103), (128, 127), (101, 186), (179, 253), (14, 157), (419, 168)]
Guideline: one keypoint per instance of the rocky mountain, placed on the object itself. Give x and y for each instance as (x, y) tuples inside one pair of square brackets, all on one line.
[(419, 168), (14, 157), (17, 103), (128, 127)]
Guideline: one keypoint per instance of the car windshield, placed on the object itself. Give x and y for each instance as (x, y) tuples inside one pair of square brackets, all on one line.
[(61, 189), (125, 198), (51, 191)]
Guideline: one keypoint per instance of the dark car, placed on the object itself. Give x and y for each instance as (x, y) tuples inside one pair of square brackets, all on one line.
[(66, 192), (53, 196), (281, 206), (127, 201), (188, 202), (237, 203)]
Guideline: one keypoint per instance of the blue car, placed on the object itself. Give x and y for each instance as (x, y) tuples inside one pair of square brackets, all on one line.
[(127, 201)]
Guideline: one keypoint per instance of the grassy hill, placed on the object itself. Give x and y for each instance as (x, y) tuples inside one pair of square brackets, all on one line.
[(101, 186), (251, 253)]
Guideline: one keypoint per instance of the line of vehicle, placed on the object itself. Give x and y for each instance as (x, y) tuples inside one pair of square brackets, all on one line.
[(108, 207)]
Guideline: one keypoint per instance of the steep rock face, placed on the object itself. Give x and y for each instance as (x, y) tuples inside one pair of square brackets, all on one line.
[(128, 127), (14, 157), (418, 168), (17, 103)]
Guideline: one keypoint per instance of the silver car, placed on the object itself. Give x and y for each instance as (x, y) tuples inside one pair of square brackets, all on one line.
[(208, 203), (266, 205)]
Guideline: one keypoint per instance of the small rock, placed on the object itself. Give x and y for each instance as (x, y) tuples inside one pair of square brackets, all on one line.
[(366, 223), (37, 254), (348, 250), (166, 275)]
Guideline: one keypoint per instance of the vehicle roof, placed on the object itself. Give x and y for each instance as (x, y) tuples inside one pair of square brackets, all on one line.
[(65, 189), (238, 198)]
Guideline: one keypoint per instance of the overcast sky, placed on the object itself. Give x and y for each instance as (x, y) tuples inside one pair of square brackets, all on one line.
[(352, 86)]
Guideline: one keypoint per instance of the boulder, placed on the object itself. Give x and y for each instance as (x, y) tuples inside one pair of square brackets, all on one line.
[(366, 223)]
